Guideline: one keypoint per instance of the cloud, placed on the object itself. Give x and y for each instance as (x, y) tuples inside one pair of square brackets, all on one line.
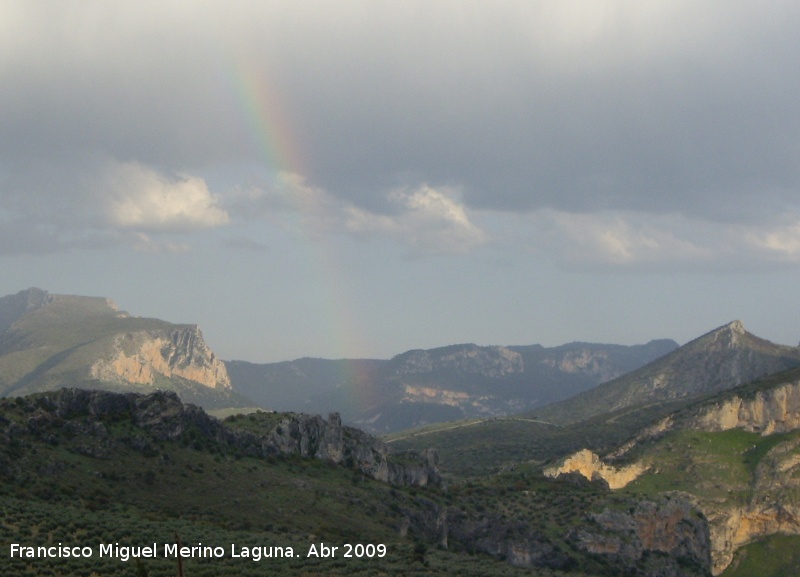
[(425, 219), (87, 202), (144, 243), (628, 240), (137, 197), (658, 113)]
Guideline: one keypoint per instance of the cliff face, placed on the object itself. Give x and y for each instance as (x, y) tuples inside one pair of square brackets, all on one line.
[(178, 352), (590, 466), (776, 410), (312, 436), (671, 527), (761, 497), (772, 505)]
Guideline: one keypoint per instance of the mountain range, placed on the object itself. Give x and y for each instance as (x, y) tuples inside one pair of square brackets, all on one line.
[(684, 463), (442, 384), (49, 341)]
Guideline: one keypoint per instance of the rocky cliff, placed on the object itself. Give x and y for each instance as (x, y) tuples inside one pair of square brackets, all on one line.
[(589, 465), (751, 492), (85, 416), (139, 357), (665, 538), (776, 410), (50, 341)]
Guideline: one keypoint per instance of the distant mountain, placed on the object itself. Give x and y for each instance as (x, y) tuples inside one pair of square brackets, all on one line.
[(50, 341), (719, 360), (442, 384)]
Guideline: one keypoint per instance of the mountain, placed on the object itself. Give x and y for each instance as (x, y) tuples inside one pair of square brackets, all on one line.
[(721, 359), (736, 454), (442, 384), (50, 341)]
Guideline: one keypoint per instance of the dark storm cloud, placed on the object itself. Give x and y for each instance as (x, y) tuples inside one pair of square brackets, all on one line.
[(660, 107)]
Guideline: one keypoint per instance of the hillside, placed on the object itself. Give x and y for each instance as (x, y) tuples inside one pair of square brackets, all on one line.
[(90, 467), (719, 360), (50, 341), (736, 453), (437, 385)]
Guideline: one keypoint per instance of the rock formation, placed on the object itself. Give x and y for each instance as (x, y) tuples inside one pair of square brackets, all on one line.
[(670, 527), (492, 362), (776, 410), (164, 417), (139, 357), (768, 505), (590, 466)]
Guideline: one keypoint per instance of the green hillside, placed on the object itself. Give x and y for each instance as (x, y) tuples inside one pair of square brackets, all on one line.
[(84, 480)]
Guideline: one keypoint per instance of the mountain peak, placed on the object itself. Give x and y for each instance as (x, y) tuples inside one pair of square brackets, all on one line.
[(736, 327), (12, 307), (720, 359)]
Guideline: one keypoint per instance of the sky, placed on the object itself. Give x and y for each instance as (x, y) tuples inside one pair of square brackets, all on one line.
[(355, 179)]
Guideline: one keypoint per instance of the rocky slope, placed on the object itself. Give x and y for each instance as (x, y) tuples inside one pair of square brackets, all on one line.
[(443, 384), (86, 417), (719, 360), (49, 341), (748, 487)]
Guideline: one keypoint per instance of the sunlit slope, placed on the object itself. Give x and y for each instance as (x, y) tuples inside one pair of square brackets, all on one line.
[(51, 341)]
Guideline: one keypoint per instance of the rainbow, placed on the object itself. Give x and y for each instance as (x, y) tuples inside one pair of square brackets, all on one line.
[(268, 122)]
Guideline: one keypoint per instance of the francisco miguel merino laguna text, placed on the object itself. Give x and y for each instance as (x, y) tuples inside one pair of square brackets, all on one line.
[(199, 551)]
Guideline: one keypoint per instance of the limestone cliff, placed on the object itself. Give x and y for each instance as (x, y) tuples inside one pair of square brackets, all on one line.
[(669, 527), (312, 436), (743, 506), (590, 466), (139, 357), (776, 410)]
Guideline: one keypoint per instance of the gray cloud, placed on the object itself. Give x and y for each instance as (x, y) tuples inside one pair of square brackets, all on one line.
[(663, 108)]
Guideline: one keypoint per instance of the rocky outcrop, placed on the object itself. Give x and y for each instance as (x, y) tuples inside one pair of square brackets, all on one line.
[(312, 436), (766, 503), (492, 362), (776, 410), (590, 466), (179, 352), (668, 538), (163, 417), (732, 528)]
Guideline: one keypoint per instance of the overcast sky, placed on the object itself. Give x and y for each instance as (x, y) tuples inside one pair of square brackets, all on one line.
[(359, 178)]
